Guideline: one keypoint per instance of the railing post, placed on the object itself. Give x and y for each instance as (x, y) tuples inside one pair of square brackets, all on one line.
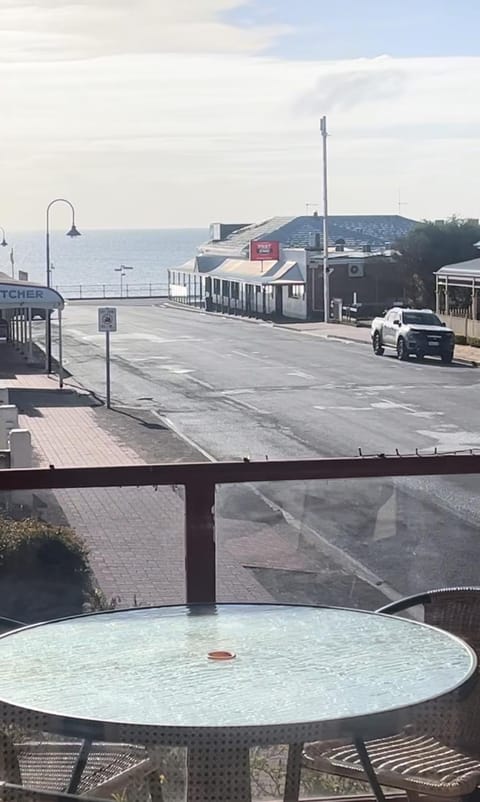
[(150, 289), (80, 290), (200, 558), (103, 285)]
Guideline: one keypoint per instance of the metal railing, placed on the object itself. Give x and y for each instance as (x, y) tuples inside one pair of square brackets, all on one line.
[(200, 480), (73, 292)]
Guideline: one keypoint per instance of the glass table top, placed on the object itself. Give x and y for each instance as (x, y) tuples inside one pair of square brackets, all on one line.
[(283, 665)]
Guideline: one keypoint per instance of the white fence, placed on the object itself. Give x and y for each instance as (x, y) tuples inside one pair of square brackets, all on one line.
[(97, 291)]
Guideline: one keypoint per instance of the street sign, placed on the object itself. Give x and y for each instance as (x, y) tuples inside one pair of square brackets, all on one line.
[(107, 318), (107, 322)]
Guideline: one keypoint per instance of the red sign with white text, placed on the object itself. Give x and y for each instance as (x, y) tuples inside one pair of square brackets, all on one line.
[(264, 249)]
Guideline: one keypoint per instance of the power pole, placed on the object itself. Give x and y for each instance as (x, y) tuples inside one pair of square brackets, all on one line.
[(326, 280)]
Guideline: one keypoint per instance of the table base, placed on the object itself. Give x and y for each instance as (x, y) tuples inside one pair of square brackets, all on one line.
[(218, 775)]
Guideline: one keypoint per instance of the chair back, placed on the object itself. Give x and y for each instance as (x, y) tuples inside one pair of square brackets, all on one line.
[(454, 719)]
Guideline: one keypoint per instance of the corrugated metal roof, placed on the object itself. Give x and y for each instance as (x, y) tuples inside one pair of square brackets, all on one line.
[(470, 268), (356, 230)]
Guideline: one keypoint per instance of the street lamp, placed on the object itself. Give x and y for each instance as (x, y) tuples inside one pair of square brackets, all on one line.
[(4, 242), (122, 272), (73, 232)]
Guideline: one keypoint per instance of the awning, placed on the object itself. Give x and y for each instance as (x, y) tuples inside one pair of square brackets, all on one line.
[(23, 294)]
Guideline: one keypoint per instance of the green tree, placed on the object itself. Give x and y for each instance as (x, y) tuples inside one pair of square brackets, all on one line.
[(430, 246)]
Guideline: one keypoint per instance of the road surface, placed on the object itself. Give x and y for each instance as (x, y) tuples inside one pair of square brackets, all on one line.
[(247, 389)]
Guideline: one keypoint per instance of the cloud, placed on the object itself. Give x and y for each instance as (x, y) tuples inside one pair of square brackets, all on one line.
[(159, 139), (350, 85), (43, 30)]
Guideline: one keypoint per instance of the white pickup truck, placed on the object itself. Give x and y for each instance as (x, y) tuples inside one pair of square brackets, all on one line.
[(417, 332)]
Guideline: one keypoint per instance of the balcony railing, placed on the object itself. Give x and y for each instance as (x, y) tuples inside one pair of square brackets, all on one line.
[(200, 481), (372, 486)]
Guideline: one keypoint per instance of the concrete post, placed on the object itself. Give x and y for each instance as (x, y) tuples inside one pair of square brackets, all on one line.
[(8, 421), (20, 442)]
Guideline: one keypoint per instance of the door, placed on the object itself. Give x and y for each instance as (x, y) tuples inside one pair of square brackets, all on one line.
[(389, 330), (279, 301), (249, 290)]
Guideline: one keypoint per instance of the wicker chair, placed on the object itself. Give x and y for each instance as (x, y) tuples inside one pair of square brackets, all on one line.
[(78, 767), (438, 754)]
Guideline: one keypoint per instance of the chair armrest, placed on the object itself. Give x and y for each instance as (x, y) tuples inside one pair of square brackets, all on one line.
[(405, 603)]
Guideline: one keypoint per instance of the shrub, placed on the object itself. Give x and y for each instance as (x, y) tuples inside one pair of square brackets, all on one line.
[(44, 571), (475, 341), (32, 546), (460, 339)]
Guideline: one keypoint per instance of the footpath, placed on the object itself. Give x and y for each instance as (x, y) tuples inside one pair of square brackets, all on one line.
[(135, 535)]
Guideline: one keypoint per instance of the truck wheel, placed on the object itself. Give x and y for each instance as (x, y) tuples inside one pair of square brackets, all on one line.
[(402, 351), (447, 357), (377, 345)]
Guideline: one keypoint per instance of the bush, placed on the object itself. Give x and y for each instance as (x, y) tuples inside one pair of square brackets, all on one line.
[(475, 341), (44, 571), (460, 339), (30, 546)]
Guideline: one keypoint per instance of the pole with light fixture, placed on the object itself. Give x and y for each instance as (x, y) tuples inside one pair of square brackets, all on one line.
[(326, 279), (73, 232), (122, 272)]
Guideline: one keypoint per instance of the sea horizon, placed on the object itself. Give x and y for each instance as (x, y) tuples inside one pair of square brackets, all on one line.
[(93, 258)]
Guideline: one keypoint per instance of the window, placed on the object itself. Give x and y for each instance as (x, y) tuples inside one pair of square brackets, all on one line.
[(216, 286), (421, 319), (225, 289), (235, 291), (296, 290), (258, 289)]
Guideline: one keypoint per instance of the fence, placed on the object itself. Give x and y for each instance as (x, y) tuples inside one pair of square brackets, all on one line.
[(100, 291)]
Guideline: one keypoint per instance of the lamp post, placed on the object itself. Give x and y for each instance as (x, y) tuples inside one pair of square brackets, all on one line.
[(122, 272), (326, 279), (73, 232), (4, 242)]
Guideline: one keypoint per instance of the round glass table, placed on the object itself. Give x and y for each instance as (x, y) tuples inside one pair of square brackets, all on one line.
[(221, 678)]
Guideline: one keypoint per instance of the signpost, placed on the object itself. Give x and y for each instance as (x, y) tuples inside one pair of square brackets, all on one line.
[(107, 322)]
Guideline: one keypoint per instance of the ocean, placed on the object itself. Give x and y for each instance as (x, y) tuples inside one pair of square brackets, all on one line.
[(92, 258)]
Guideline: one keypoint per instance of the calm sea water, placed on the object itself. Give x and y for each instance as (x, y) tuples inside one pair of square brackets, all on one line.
[(93, 257)]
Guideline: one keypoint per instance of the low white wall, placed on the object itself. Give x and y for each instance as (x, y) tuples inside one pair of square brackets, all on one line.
[(463, 326), (295, 308)]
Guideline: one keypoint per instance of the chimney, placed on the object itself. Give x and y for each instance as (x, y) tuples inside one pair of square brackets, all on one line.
[(367, 248), (315, 213), (339, 245)]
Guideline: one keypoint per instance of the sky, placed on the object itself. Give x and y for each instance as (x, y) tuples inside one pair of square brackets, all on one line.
[(166, 113)]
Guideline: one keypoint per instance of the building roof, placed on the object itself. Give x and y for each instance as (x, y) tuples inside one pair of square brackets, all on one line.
[(266, 272), (307, 231), (470, 268)]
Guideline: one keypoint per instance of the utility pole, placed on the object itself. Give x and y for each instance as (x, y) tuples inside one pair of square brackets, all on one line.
[(326, 280)]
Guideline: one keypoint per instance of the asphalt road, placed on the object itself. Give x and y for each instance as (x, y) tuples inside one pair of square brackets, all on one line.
[(239, 388)]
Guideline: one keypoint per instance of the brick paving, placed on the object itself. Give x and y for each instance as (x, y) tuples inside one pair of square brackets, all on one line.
[(135, 535)]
